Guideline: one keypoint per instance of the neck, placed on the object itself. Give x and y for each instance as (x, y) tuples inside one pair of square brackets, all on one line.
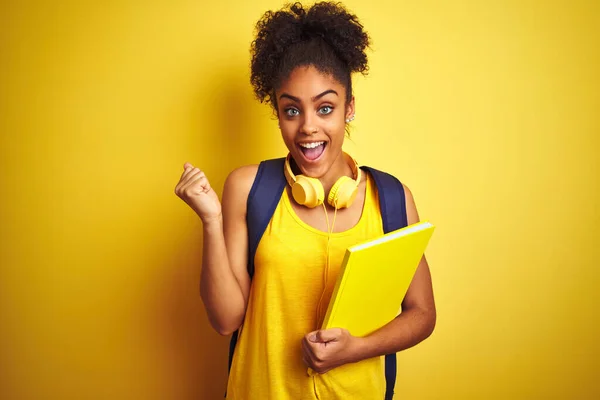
[(339, 168)]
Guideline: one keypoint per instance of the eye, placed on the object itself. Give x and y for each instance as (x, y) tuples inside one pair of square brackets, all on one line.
[(291, 112), (325, 110)]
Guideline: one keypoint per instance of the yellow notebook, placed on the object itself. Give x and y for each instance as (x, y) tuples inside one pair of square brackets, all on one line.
[(374, 279)]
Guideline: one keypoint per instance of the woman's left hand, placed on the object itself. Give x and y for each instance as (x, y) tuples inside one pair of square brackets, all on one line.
[(324, 350)]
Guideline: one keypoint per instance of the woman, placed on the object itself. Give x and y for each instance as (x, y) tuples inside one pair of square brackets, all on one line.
[(302, 61)]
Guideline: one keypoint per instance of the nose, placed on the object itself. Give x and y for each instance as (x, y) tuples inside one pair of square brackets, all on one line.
[(309, 126)]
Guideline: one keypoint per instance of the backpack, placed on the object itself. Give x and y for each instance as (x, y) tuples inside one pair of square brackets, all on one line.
[(263, 198)]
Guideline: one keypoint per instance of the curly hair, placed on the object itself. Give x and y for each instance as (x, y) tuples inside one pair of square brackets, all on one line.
[(325, 36)]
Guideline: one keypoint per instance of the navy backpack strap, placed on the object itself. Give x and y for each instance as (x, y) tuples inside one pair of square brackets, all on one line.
[(391, 200), (392, 204), (262, 201)]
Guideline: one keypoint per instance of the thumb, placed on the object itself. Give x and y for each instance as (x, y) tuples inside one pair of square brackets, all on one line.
[(187, 165), (328, 335), (312, 337)]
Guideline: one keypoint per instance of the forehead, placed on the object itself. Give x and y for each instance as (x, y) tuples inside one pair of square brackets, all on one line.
[(307, 81)]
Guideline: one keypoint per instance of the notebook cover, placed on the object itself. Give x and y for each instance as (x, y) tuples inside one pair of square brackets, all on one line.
[(374, 279)]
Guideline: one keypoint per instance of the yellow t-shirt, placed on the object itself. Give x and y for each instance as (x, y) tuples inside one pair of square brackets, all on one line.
[(288, 299)]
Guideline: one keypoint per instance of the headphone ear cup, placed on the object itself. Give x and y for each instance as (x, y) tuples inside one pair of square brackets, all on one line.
[(343, 193), (308, 191)]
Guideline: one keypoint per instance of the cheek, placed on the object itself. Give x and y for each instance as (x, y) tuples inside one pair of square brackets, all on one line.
[(287, 134), (336, 127), (288, 127)]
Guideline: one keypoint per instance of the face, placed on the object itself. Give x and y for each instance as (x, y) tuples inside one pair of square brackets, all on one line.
[(312, 111)]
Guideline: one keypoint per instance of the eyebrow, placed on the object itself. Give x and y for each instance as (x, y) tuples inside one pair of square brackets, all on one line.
[(317, 97)]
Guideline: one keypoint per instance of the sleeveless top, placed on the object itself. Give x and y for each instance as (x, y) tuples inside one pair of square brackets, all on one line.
[(290, 292)]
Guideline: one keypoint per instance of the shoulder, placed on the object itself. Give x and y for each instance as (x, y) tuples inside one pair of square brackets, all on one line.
[(242, 176), (411, 208), (371, 171), (238, 184), (386, 179), (408, 194)]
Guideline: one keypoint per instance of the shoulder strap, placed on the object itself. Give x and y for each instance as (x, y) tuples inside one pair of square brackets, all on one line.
[(262, 201), (392, 201), (392, 204)]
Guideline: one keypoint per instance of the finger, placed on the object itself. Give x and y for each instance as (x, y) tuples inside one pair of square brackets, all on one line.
[(305, 347), (184, 182), (308, 350), (192, 174), (328, 335), (313, 353), (312, 337), (305, 360), (187, 168), (196, 185)]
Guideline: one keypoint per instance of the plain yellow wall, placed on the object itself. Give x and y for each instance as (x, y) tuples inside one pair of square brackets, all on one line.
[(488, 110)]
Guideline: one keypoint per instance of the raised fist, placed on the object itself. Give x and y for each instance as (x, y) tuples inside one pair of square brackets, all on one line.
[(195, 190)]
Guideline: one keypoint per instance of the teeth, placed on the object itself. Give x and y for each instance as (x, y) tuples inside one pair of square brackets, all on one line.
[(311, 145)]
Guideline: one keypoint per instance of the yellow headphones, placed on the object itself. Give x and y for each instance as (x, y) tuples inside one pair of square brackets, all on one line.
[(309, 192)]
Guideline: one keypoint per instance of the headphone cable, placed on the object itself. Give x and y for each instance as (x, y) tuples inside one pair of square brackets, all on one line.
[(326, 271)]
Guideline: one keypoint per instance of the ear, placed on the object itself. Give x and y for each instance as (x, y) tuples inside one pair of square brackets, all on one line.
[(350, 111)]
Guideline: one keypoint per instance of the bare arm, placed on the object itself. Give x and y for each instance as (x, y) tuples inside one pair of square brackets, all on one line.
[(418, 317), (224, 281)]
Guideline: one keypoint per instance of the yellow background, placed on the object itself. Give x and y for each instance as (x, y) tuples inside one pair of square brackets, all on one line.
[(488, 110)]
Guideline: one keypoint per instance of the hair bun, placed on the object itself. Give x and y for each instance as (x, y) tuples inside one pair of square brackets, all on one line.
[(277, 32), (342, 31)]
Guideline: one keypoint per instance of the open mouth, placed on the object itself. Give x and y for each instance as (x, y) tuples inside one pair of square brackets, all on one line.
[(312, 151)]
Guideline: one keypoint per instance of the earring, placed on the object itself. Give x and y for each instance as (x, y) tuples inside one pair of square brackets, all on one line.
[(348, 120)]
